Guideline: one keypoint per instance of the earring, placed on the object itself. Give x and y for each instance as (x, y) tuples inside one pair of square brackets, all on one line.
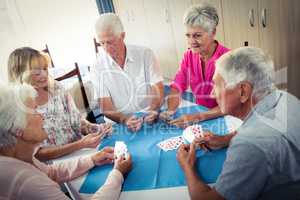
[(18, 132)]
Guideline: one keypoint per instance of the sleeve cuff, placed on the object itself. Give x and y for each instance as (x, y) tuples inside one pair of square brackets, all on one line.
[(156, 80), (117, 175), (88, 161)]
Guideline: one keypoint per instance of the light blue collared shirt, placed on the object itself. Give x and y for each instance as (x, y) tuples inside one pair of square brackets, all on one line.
[(266, 151)]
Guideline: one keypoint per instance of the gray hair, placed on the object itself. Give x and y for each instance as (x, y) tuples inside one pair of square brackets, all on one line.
[(109, 22), (203, 15), (13, 111), (247, 64)]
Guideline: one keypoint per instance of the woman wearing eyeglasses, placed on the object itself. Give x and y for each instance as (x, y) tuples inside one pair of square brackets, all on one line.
[(197, 66)]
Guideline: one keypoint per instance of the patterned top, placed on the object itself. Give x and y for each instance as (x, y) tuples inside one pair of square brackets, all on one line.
[(61, 117)]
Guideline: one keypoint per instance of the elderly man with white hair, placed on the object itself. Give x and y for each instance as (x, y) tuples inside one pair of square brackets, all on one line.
[(127, 78), (22, 176), (264, 155)]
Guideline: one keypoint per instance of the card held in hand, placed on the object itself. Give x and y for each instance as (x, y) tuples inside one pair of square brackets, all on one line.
[(171, 144), (120, 150), (191, 132)]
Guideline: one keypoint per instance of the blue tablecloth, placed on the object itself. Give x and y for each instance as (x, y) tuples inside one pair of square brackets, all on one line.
[(152, 167)]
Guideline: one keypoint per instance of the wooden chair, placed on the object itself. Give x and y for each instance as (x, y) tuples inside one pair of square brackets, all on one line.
[(75, 72), (46, 50), (96, 45)]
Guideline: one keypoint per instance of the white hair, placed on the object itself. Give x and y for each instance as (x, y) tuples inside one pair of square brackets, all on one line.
[(13, 111), (247, 64), (109, 22), (203, 15)]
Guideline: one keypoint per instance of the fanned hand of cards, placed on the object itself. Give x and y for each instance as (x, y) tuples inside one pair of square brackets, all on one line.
[(120, 150), (191, 132), (171, 144)]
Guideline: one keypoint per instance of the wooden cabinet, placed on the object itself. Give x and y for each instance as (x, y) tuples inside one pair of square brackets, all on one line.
[(257, 23), (293, 40), (263, 24), (160, 33), (240, 22), (177, 9)]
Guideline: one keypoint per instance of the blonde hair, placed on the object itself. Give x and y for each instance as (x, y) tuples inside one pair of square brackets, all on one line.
[(22, 60)]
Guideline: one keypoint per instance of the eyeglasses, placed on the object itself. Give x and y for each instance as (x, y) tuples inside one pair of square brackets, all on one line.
[(196, 36)]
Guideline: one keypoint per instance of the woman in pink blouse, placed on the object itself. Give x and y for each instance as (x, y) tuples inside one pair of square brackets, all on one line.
[(67, 130), (24, 177), (197, 66)]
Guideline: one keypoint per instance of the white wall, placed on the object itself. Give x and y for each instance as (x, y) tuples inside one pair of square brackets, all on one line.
[(67, 26)]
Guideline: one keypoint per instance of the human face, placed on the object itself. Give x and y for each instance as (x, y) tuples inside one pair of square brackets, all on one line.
[(111, 43), (228, 99), (199, 40), (39, 73), (33, 132)]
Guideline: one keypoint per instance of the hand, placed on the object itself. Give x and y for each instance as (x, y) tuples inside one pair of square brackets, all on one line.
[(124, 165), (91, 140), (166, 115), (186, 156), (212, 141), (151, 116), (185, 120), (105, 128), (133, 123), (105, 156)]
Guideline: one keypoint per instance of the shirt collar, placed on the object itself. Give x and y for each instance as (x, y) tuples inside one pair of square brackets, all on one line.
[(129, 55), (215, 54), (128, 58), (266, 104)]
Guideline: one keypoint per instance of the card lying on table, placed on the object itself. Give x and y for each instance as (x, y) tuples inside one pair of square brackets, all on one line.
[(171, 144), (120, 150)]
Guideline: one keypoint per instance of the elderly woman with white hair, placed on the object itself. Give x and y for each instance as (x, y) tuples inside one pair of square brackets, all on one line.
[(67, 130), (22, 176), (197, 65), (262, 160)]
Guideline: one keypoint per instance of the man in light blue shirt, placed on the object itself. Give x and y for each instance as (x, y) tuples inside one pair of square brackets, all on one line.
[(265, 153)]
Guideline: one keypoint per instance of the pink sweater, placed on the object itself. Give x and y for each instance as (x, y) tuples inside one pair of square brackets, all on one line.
[(21, 180), (190, 75)]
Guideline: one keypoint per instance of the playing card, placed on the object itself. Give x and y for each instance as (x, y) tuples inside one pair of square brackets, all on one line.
[(98, 129), (120, 149), (171, 143), (191, 132), (167, 118), (170, 118)]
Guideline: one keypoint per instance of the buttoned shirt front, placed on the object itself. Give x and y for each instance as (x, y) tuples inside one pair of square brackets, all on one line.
[(129, 86)]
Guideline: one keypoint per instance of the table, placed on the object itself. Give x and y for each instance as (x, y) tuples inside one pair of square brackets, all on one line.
[(179, 192)]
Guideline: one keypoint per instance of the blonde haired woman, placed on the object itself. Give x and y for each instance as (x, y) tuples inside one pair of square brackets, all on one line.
[(62, 121)]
